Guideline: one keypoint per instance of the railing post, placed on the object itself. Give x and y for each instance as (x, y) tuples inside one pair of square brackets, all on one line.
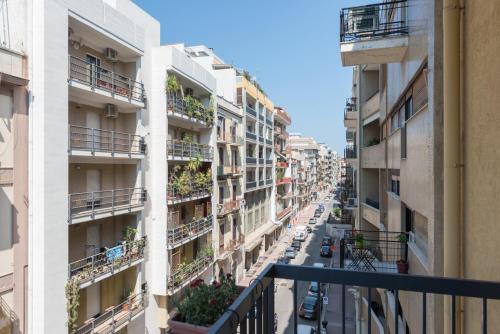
[(93, 140), (112, 143), (129, 83), (129, 144), (93, 267), (113, 83), (93, 201), (113, 201)]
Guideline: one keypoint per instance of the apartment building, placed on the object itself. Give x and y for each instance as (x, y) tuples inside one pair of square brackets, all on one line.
[(306, 149), (285, 197), (14, 96)]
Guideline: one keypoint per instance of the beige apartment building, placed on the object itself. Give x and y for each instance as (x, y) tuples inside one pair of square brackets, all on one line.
[(415, 150), (285, 198)]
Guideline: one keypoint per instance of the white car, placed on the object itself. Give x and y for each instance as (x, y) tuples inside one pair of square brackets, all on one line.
[(305, 329)]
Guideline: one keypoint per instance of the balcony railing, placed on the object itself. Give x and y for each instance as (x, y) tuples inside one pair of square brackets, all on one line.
[(283, 213), (261, 183), (350, 152), (283, 180), (112, 202), (269, 122), (228, 171), (251, 160), (251, 135), (230, 138), (261, 139), (269, 181), (251, 111), (188, 193), (373, 21), (281, 164), (269, 142), (372, 203), (6, 176), (261, 161), (254, 309), (261, 117), (228, 207), (116, 317), (187, 273), (97, 140), (251, 184), (376, 251), (269, 161), (182, 149), (97, 77), (177, 104), (177, 234), (107, 263)]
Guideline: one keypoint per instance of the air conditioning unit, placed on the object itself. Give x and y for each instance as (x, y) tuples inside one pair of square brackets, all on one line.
[(364, 20), (111, 111), (111, 54)]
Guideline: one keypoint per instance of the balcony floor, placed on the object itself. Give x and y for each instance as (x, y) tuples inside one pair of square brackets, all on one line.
[(88, 157), (184, 121), (112, 272), (86, 216), (84, 94)]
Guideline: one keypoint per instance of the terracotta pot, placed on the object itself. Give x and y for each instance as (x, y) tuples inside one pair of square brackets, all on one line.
[(178, 327), (402, 266)]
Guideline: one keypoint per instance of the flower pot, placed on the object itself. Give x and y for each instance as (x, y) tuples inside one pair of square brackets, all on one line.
[(179, 327), (402, 266), (358, 244)]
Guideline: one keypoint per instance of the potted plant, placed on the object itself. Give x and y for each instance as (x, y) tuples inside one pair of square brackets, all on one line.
[(359, 240), (203, 305), (127, 299), (402, 264), (72, 302), (336, 212)]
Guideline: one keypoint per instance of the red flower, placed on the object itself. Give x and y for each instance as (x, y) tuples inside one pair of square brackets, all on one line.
[(213, 302), (197, 283), (229, 276)]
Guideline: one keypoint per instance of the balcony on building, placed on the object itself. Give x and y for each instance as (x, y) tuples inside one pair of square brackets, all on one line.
[(374, 34), (183, 275), (116, 317), (250, 185), (350, 153), (251, 136), (179, 150), (232, 171), (250, 110), (189, 111), (283, 180), (351, 113), (251, 160), (87, 206), (269, 142), (229, 137), (269, 161), (370, 109), (227, 248), (177, 194), (281, 164), (103, 70), (180, 232), (229, 206), (371, 212), (107, 263), (261, 139), (91, 145), (373, 156)]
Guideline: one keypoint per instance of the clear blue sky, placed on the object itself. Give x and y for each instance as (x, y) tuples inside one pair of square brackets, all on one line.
[(290, 46)]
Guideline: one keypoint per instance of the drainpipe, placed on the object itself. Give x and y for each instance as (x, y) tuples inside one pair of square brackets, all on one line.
[(451, 150)]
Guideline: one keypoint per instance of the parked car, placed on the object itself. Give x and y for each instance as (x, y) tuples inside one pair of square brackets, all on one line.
[(309, 229), (321, 208), (283, 260), (327, 241), (300, 233), (306, 329), (317, 213), (290, 253), (312, 220), (325, 251), (309, 307), (313, 289), (319, 265), (296, 244)]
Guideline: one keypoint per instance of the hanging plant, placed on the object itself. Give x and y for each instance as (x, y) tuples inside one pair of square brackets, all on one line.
[(172, 84), (72, 302), (209, 111), (128, 234)]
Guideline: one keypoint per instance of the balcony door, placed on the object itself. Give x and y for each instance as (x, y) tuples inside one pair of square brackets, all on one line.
[(93, 292), (93, 187), (93, 123), (233, 160), (93, 68)]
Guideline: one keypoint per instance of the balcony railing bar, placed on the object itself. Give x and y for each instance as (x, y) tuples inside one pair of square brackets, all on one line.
[(178, 105), (101, 78), (112, 259), (189, 272), (105, 201), (251, 111), (176, 234), (251, 135), (179, 148), (195, 192), (257, 301), (97, 140), (115, 317)]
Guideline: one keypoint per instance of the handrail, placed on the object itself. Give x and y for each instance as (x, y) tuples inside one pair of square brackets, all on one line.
[(179, 148), (189, 271), (179, 105), (176, 234), (251, 111), (194, 192), (98, 140), (114, 317), (105, 200), (101, 78), (228, 207), (108, 261)]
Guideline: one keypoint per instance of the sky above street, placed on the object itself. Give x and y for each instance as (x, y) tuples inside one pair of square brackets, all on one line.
[(290, 46)]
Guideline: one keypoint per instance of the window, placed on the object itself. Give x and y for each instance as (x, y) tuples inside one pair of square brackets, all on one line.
[(395, 184), (416, 225), (221, 156), (221, 195), (408, 108)]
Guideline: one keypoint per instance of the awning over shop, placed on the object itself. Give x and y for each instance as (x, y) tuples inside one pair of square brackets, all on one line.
[(251, 246)]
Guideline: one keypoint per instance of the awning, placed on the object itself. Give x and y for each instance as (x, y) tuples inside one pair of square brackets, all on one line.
[(271, 229), (251, 246)]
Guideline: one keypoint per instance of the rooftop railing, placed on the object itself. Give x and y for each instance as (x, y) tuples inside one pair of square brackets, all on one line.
[(115, 317), (373, 21), (97, 140), (185, 274), (98, 77), (182, 149), (255, 309), (112, 260), (177, 234), (105, 201)]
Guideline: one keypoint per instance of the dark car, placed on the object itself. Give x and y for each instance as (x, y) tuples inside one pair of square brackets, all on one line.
[(325, 251), (283, 260), (309, 307), (327, 241), (296, 244), (309, 229), (317, 213)]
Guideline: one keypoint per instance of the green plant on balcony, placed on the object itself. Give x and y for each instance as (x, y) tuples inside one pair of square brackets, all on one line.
[(72, 302), (209, 111), (359, 240), (193, 107), (187, 138), (373, 141), (172, 85), (336, 212), (205, 252), (128, 234), (204, 303)]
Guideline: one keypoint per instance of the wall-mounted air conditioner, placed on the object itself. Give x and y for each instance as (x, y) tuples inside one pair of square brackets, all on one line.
[(111, 54), (111, 111)]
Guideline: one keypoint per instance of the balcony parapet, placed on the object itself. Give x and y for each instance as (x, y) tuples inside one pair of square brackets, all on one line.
[(182, 150), (189, 193), (185, 274), (251, 111), (100, 266), (100, 204), (186, 109), (251, 185), (229, 138), (251, 136), (251, 160), (228, 171), (179, 234), (228, 207)]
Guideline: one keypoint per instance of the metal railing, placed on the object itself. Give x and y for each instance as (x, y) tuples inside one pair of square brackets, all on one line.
[(251, 184), (174, 194), (261, 139), (372, 203), (350, 152), (373, 21), (261, 161), (182, 149), (228, 170), (251, 160), (186, 273), (101, 78), (254, 309), (269, 161), (97, 140), (6, 176), (7, 313), (107, 262), (228, 207), (105, 201), (269, 181), (115, 317), (269, 122), (261, 117), (178, 233), (251, 135), (251, 111), (261, 183), (269, 142), (179, 105)]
